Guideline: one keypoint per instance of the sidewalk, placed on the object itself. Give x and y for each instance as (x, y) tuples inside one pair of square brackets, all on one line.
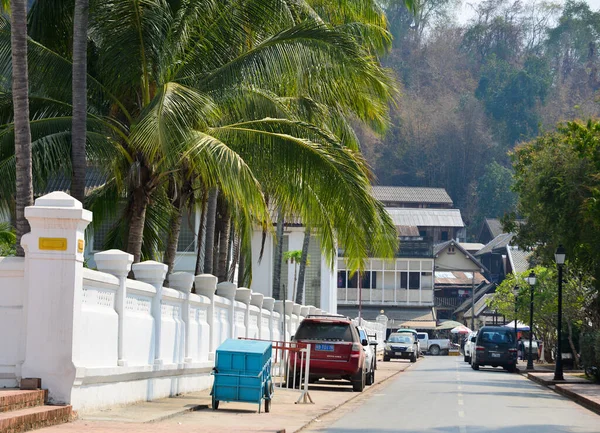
[(575, 386), (190, 413)]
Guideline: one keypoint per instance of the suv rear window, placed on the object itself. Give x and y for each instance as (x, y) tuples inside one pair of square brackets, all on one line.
[(497, 337), (324, 331)]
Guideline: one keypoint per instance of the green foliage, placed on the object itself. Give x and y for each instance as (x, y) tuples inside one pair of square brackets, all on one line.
[(7, 240), (495, 189), (590, 354), (558, 183)]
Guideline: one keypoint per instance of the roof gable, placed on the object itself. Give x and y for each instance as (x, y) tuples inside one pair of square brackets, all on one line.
[(443, 247)]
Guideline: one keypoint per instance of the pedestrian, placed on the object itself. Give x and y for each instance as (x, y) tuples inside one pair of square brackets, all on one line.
[(520, 350)]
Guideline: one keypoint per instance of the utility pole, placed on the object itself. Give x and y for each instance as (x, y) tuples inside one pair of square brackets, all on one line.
[(473, 302)]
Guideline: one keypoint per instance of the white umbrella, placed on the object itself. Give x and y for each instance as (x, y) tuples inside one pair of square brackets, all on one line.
[(520, 326), (460, 330)]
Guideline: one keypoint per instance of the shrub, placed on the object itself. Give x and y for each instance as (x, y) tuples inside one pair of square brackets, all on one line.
[(590, 354)]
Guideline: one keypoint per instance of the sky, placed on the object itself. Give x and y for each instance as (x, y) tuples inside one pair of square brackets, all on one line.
[(467, 11)]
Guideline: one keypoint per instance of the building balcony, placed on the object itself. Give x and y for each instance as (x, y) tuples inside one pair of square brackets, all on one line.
[(418, 247), (399, 297), (446, 302)]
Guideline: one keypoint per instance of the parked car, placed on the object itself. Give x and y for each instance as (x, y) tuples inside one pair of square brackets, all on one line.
[(416, 338), (469, 346), (370, 355), (495, 346), (433, 346), (336, 350), (400, 345)]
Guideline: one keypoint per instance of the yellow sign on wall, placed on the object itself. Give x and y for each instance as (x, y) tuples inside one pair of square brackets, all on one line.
[(53, 244), (80, 246)]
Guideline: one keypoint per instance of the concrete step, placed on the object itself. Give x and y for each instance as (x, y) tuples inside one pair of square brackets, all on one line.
[(14, 399), (31, 418)]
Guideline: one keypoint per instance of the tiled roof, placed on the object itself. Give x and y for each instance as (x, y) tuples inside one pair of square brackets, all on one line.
[(426, 217), (519, 259), (406, 194), (472, 247), (500, 241), (480, 305)]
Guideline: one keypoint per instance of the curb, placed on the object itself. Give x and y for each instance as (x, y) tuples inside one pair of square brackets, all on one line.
[(333, 409), (565, 392), (578, 398), (179, 412)]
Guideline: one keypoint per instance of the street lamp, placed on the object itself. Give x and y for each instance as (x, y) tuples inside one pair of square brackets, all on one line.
[(559, 256), (531, 280)]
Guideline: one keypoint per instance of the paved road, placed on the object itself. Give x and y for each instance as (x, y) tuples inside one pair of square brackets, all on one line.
[(444, 395)]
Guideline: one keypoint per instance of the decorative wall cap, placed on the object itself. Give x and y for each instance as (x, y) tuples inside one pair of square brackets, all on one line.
[(150, 272), (312, 310), (114, 262), (257, 299), (268, 303), (58, 199), (182, 281), (296, 309), (226, 290), (304, 310), (206, 285), (289, 307), (278, 306), (243, 294)]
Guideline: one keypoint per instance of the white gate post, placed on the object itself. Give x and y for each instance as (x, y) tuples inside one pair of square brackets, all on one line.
[(54, 274), (206, 285)]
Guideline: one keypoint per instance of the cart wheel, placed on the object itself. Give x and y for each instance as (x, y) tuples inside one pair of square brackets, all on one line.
[(215, 403), (268, 405)]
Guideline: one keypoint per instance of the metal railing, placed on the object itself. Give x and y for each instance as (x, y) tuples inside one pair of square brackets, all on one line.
[(290, 362)]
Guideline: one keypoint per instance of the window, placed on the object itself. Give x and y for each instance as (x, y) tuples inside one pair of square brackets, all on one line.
[(445, 235), (187, 235), (365, 282), (324, 331), (341, 280), (451, 250), (403, 280), (414, 281), (423, 233)]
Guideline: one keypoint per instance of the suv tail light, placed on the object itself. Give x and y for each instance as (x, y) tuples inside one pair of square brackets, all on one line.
[(479, 348), (512, 350), (356, 347)]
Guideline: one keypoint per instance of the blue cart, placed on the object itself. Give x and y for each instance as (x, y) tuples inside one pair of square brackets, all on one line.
[(243, 373)]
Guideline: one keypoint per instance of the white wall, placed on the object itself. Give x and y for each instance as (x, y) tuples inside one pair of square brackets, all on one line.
[(97, 338), (11, 319)]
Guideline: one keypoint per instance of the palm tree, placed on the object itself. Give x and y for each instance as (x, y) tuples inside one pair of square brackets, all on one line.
[(80, 27), (225, 87), (22, 133), (303, 264)]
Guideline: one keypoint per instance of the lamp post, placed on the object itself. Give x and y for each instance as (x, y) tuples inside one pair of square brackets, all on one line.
[(559, 256), (531, 280)]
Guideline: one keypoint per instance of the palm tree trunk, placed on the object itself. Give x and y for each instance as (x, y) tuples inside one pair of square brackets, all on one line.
[(211, 214), (241, 267), (200, 242), (139, 205), (173, 236), (278, 257), (223, 267), (21, 117), (303, 263), (78, 161)]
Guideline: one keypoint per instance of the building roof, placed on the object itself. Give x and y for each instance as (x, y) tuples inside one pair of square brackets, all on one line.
[(494, 225), (519, 259), (407, 194), (471, 247), (480, 290), (480, 305), (411, 231), (500, 241), (399, 316), (426, 217), (457, 278)]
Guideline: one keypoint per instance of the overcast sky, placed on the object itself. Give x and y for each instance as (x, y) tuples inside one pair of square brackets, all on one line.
[(467, 11)]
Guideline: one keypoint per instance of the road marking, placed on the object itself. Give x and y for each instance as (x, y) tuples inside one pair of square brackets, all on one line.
[(461, 413), (460, 395), (459, 387), (461, 402)]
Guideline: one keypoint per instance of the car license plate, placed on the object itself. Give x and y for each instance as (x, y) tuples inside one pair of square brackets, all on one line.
[(324, 347), (495, 355)]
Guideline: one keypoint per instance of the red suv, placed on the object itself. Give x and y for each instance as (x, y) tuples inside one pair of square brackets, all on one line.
[(336, 350)]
